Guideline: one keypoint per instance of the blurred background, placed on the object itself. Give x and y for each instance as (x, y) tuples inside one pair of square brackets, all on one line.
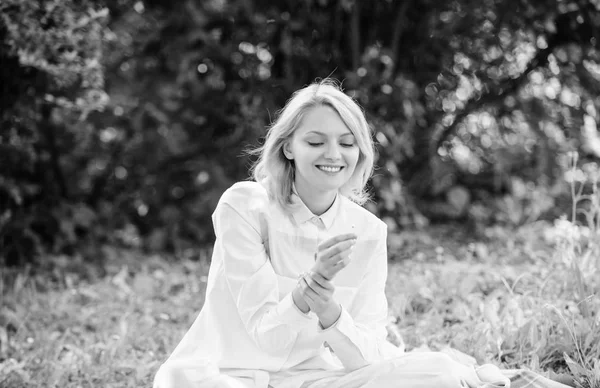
[(122, 122)]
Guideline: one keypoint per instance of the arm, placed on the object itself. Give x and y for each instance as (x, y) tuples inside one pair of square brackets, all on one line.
[(359, 335), (252, 282)]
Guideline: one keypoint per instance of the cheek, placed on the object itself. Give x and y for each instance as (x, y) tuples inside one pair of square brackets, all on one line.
[(311, 154), (305, 156), (353, 163), (353, 157), (298, 150)]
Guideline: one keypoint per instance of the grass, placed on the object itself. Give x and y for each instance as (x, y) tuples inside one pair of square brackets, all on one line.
[(512, 310), (519, 298), (113, 332), (509, 302)]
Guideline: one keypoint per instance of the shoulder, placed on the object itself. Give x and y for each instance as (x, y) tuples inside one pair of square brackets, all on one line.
[(245, 195), (246, 198), (365, 222)]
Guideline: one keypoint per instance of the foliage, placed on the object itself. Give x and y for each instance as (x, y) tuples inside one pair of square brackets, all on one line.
[(127, 130), (579, 249), (51, 75), (534, 304)]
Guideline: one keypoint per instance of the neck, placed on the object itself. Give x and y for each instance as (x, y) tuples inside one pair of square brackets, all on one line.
[(317, 202)]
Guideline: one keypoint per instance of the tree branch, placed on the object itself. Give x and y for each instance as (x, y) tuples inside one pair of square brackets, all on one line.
[(399, 27), (588, 17), (338, 26), (498, 94), (590, 84), (49, 131), (355, 35)]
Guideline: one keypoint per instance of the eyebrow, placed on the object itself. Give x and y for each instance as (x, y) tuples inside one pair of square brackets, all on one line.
[(324, 134)]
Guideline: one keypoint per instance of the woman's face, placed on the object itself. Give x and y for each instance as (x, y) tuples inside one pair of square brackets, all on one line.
[(324, 151)]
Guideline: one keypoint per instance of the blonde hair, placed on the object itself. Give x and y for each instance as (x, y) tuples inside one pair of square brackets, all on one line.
[(276, 173)]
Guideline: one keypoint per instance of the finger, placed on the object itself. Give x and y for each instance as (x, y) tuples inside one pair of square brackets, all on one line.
[(339, 265), (310, 302), (337, 249), (316, 292), (322, 281), (345, 254), (336, 239), (324, 273), (308, 293), (314, 285)]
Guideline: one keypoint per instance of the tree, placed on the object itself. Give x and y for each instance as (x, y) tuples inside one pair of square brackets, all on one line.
[(51, 73), (463, 96)]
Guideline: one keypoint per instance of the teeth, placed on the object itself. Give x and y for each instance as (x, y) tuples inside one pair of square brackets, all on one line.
[(330, 169)]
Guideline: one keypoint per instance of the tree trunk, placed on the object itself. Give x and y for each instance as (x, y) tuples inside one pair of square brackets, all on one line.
[(49, 132), (355, 35)]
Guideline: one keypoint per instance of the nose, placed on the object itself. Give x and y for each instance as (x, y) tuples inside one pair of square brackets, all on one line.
[(333, 152)]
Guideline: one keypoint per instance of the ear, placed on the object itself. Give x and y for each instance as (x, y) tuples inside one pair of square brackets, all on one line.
[(287, 150)]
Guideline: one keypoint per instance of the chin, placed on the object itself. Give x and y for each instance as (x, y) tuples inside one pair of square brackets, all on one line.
[(329, 187)]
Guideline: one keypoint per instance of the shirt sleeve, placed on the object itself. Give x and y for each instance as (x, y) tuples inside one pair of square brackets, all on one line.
[(273, 324), (358, 337)]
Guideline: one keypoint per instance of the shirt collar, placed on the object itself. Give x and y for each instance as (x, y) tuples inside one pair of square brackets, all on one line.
[(302, 213)]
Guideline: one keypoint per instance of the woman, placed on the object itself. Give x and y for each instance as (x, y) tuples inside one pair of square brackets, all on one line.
[(295, 294)]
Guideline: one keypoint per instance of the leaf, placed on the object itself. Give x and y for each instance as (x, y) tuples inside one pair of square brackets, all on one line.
[(67, 227), (535, 362), (3, 343), (577, 370), (9, 317), (83, 216), (514, 310), (526, 328), (563, 378), (490, 312), (120, 280), (102, 13), (467, 284), (394, 335)]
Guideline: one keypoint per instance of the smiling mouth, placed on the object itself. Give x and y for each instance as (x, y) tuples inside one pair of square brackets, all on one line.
[(330, 168)]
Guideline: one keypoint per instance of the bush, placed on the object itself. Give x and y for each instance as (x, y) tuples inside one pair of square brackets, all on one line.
[(138, 122), (51, 56)]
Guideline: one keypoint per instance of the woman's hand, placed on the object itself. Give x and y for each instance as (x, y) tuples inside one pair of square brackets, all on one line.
[(333, 255), (318, 294)]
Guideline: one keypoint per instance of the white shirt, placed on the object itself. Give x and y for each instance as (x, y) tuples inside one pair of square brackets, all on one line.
[(249, 324)]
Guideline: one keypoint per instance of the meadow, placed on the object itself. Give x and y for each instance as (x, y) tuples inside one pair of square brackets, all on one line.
[(130, 118), (524, 297)]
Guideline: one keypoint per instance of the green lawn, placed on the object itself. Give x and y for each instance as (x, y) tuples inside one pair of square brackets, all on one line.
[(507, 298)]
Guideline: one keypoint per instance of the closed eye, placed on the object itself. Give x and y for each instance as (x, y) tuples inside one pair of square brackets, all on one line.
[(317, 144)]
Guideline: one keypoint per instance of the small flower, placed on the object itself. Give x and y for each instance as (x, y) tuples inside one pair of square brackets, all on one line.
[(565, 230), (591, 171), (575, 176)]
